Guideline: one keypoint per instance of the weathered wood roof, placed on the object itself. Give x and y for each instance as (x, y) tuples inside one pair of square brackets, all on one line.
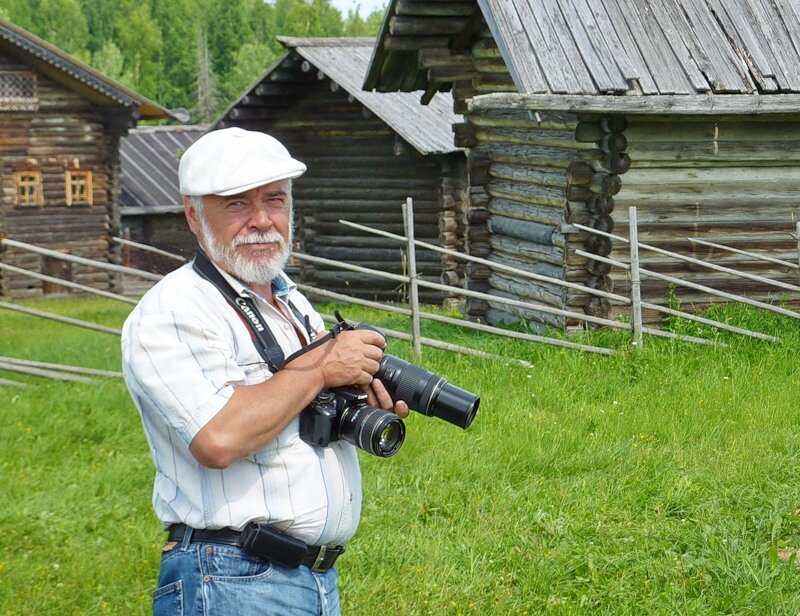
[(74, 74), (590, 47), (149, 167), (344, 61)]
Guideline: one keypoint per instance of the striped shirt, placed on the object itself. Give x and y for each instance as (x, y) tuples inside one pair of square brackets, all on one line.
[(184, 349)]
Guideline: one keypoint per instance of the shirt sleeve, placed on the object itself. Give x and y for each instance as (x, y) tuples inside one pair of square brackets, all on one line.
[(180, 368)]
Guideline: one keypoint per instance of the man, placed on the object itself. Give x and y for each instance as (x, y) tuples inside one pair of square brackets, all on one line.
[(221, 425)]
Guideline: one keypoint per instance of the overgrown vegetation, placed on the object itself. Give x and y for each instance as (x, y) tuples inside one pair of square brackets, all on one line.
[(196, 54), (663, 481)]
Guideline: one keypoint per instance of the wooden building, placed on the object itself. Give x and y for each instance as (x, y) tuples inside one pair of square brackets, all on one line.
[(366, 152), (151, 207), (60, 126), (576, 110)]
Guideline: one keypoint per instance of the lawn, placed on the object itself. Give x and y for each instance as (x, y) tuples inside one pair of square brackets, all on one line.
[(658, 481)]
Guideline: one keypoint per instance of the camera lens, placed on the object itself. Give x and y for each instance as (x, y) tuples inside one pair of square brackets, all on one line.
[(426, 392), (374, 430)]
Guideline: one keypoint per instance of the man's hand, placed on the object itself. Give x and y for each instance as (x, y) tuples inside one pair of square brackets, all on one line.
[(351, 358), (379, 397)]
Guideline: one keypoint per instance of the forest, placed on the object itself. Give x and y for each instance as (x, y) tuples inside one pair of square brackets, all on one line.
[(199, 55)]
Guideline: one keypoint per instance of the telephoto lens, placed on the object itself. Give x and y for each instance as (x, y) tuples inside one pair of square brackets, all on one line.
[(426, 392)]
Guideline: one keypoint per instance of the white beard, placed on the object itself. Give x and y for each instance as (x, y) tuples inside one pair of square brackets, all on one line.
[(254, 272)]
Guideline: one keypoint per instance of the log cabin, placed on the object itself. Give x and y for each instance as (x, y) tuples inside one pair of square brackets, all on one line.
[(366, 152), (150, 202), (60, 126), (575, 110)]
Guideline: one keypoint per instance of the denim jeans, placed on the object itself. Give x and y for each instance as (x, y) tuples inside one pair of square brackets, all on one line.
[(212, 579)]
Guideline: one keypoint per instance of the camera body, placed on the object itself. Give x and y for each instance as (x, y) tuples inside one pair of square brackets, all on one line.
[(343, 413)]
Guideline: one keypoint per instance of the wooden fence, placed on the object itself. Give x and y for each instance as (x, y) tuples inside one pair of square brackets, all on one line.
[(414, 311)]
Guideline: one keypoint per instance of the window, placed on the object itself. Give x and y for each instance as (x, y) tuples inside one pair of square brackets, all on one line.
[(29, 188), (18, 91), (79, 187)]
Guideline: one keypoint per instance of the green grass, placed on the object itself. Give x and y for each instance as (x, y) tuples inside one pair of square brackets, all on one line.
[(663, 481)]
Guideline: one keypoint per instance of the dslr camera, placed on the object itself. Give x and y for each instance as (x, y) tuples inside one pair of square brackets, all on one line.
[(343, 412)]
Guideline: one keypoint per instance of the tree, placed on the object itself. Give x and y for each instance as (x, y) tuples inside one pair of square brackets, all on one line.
[(251, 60), (179, 25), (354, 25), (110, 61), (59, 22), (139, 39), (206, 106)]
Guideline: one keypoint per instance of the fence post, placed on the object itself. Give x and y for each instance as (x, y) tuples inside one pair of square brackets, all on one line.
[(636, 283), (797, 235), (408, 221)]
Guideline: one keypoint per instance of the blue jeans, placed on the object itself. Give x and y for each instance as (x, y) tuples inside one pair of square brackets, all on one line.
[(212, 579)]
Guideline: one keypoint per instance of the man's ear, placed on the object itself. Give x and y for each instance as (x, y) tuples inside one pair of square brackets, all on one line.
[(191, 215)]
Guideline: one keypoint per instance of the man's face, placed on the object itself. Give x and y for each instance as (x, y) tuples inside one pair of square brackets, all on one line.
[(248, 235)]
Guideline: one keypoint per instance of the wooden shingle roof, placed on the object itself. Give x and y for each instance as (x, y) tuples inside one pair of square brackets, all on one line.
[(74, 74), (344, 61), (592, 47), (149, 167)]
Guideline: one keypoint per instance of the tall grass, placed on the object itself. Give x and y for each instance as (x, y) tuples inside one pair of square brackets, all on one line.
[(661, 481)]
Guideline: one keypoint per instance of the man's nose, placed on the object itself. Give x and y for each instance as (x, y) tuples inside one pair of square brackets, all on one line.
[(260, 218)]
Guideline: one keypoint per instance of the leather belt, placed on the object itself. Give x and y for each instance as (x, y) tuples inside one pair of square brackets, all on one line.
[(318, 558)]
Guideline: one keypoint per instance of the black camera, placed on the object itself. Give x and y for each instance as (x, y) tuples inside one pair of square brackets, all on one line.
[(343, 413)]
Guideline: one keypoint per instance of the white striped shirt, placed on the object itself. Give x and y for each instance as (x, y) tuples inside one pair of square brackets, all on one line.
[(184, 349)]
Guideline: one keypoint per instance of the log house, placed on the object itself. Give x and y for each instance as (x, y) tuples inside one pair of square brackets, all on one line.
[(60, 126), (573, 119), (365, 153), (151, 207)]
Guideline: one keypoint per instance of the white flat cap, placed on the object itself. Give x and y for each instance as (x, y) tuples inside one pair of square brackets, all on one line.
[(233, 160)]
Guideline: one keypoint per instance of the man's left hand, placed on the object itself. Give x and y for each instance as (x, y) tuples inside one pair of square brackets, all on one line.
[(378, 396)]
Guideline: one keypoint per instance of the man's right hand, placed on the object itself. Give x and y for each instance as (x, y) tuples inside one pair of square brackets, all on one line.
[(351, 358)]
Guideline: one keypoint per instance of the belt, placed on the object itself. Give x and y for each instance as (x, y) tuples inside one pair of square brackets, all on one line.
[(279, 547)]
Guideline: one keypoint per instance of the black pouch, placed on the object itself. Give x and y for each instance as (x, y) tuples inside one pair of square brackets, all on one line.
[(264, 542)]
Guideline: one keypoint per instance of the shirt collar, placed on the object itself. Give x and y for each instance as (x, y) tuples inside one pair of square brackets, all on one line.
[(282, 285)]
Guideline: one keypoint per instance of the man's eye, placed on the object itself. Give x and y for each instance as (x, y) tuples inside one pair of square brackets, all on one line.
[(235, 205)]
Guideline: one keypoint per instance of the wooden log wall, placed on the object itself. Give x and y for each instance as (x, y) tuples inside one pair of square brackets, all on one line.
[(360, 170), (66, 132), (726, 180), (530, 174)]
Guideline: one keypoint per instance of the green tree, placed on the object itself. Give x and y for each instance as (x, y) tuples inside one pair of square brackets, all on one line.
[(307, 18), (110, 61), (139, 39), (251, 60), (227, 29), (59, 22), (355, 25), (179, 25)]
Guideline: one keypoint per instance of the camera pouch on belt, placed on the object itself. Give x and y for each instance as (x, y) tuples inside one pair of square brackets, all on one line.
[(265, 542)]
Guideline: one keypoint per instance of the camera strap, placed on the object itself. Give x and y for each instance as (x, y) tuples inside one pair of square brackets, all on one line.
[(265, 342)]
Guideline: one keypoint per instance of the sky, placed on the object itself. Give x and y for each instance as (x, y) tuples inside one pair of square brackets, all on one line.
[(365, 6)]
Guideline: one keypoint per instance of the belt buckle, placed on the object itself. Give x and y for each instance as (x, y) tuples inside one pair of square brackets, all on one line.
[(317, 566)]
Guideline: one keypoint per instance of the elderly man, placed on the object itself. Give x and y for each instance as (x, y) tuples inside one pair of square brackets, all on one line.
[(255, 515)]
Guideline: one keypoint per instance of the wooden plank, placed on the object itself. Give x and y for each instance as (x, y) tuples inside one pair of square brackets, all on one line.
[(510, 34), (553, 62), (551, 12), (600, 37), (595, 64), (624, 51), (673, 24), (776, 42), (746, 43), (764, 107), (725, 70)]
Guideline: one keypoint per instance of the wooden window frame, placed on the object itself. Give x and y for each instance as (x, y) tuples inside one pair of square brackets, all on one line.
[(68, 185), (38, 192)]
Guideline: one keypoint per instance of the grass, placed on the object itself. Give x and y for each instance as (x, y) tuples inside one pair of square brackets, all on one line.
[(661, 481)]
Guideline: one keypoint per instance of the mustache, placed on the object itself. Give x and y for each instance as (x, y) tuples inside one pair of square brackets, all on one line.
[(266, 237)]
